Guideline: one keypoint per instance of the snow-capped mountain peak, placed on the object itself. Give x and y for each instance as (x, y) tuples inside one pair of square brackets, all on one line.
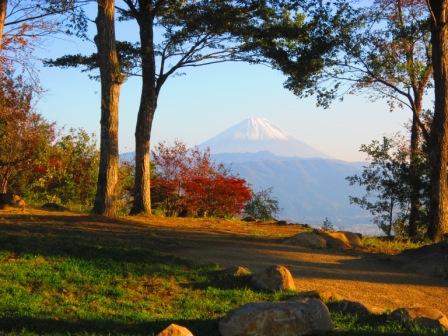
[(259, 134), (256, 129)]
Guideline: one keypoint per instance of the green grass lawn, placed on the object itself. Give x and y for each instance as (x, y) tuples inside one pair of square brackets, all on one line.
[(63, 284)]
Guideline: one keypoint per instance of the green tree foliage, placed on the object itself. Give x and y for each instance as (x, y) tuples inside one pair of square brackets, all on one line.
[(380, 48), (69, 172), (262, 205), (24, 135), (327, 224), (125, 187), (299, 38), (386, 180)]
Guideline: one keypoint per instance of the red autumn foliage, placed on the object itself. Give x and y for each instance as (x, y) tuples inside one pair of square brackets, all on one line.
[(218, 195), (187, 182)]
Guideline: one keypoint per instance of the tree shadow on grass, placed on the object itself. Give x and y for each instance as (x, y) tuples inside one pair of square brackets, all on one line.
[(126, 240), (206, 327), (44, 326)]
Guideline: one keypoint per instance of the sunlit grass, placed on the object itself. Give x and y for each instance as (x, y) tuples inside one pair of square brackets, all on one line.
[(73, 283), (390, 246)]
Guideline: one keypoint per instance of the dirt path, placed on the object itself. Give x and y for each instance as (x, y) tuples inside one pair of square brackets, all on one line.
[(355, 276)]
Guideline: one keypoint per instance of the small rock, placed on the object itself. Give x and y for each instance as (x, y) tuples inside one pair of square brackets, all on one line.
[(325, 296), (307, 239), (423, 316), (282, 222), (53, 207), (355, 239), (352, 307), (286, 318), (18, 202), (175, 330), (336, 240), (249, 219), (274, 278), (237, 271)]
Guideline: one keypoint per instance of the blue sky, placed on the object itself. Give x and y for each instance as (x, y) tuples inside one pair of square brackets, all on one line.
[(205, 101)]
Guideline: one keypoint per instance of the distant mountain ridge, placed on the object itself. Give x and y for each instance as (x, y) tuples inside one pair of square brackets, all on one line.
[(253, 135), (308, 189)]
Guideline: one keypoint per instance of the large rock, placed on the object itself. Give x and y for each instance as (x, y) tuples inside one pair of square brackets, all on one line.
[(352, 307), (175, 330), (429, 260), (355, 239), (287, 318), (18, 202), (236, 272), (422, 316), (307, 239), (336, 240), (274, 278)]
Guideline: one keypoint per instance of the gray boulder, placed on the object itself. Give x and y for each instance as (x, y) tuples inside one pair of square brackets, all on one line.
[(274, 278), (287, 318), (423, 316), (307, 239)]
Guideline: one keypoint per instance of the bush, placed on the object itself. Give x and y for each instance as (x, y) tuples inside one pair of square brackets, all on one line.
[(68, 173), (262, 205)]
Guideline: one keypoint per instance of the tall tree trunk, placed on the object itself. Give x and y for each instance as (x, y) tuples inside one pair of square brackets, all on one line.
[(4, 185), (438, 224), (111, 80), (414, 177), (148, 105), (3, 6)]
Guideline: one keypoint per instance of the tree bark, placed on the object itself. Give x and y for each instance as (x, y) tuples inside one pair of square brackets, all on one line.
[(111, 80), (3, 7), (438, 225), (148, 105)]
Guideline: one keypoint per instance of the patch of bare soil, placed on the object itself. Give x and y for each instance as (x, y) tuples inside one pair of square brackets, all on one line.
[(354, 275)]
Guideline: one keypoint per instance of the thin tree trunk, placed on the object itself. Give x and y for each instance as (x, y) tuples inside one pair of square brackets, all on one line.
[(414, 177), (148, 105), (3, 7), (391, 217), (4, 185), (438, 225), (111, 80)]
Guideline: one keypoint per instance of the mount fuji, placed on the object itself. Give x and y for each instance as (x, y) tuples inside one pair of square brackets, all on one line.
[(256, 135), (308, 184)]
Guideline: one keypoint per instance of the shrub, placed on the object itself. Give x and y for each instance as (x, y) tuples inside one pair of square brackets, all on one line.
[(262, 205)]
